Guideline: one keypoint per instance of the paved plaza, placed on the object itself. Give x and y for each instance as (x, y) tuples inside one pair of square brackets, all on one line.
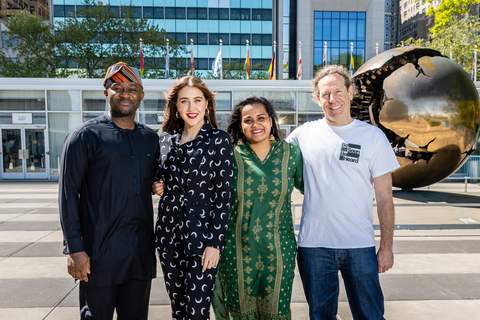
[(436, 273)]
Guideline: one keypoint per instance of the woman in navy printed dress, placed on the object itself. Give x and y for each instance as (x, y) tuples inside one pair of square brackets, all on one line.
[(196, 167)]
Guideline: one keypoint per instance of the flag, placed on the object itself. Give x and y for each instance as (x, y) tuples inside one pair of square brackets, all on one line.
[(246, 66), (217, 64), (192, 61), (167, 62), (142, 66), (473, 70), (272, 68), (352, 67), (325, 56), (299, 73)]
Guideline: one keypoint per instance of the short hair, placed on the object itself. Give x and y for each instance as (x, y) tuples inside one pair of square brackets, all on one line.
[(235, 122), (171, 122), (332, 69)]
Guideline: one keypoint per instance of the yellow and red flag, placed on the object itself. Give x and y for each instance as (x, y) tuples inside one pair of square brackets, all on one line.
[(246, 66)]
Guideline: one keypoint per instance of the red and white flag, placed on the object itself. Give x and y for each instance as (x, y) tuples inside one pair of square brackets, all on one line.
[(299, 73)]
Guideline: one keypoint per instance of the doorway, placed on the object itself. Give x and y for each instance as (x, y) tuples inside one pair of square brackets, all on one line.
[(24, 153)]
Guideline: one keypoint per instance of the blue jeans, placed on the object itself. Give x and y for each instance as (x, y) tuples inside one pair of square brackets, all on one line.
[(319, 272)]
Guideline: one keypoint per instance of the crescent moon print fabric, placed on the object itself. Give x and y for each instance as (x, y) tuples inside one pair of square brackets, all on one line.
[(195, 206)]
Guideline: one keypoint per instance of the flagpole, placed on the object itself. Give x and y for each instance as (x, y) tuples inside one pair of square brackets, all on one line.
[(167, 61), (299, 73), (192, 61), (221, 69), (275, 54)]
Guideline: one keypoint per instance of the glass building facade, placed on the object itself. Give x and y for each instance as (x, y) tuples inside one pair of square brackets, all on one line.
[(206, 22), (339, 30)]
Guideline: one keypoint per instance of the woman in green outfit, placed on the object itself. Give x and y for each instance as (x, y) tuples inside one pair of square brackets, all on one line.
[(256, 270)]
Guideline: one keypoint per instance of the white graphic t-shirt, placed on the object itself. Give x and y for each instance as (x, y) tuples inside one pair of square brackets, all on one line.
[(339, 164)]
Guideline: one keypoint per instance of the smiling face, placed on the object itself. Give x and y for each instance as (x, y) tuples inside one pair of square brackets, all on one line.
[(256, 124), (124, 98), (191, 104), (334, 98)]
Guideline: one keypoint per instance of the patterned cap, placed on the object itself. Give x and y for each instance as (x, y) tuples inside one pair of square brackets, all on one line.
[(121, 72)]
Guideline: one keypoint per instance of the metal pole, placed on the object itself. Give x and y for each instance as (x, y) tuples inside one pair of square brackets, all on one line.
[(376, 49)]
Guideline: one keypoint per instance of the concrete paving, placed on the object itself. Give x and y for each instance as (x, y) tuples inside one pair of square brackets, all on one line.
[(436, 273)]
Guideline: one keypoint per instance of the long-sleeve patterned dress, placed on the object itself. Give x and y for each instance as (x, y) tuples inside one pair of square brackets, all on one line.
[(256, 270)]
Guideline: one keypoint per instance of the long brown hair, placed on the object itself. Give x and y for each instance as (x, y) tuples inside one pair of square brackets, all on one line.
[(171, 122)]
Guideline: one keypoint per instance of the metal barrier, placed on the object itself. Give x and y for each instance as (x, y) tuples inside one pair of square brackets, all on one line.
[(469, 171)]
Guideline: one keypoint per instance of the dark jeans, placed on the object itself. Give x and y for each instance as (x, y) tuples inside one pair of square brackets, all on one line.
[(319, 272), (129, 299)]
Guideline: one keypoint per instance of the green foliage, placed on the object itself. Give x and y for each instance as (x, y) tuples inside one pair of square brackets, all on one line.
[(460, 38), (448, 12), (34, 44), (412, 42)]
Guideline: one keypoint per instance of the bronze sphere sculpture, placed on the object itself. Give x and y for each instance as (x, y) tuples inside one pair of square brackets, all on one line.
[(427, 106)]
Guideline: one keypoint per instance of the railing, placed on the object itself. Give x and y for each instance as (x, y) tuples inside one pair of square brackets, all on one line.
[(469, 171)]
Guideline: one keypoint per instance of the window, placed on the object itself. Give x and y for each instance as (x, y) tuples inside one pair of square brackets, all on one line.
[(202, 13), (179, 13), (5, 38), (235, 14), (148, 12), (223, 14), (213, 14), (158, 13), (245, 14), (192, 13), (339, 29)]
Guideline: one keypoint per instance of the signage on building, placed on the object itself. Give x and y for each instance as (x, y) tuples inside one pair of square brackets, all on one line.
[(22, 118)]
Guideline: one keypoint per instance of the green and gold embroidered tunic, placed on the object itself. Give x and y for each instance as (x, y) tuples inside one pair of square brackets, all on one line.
[(256, 270)]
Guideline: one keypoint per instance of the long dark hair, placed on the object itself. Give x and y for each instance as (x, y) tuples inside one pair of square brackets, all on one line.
[(235, 122), (171, 122)]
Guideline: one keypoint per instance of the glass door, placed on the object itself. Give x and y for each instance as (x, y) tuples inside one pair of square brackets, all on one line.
[(34, 153), (23, 153), (12, 153)]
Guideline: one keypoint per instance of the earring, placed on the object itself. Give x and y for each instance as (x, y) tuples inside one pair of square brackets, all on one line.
[(272, 137), (207, 112), (239, 140), (177, 114)]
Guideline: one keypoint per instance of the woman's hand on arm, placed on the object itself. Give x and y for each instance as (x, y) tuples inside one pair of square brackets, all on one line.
[(210, 258)]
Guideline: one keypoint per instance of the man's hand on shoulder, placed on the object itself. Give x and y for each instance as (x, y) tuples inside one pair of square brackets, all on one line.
[(79, 265)]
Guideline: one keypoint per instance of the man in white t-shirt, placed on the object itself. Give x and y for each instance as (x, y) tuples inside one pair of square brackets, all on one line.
[(346, 164)]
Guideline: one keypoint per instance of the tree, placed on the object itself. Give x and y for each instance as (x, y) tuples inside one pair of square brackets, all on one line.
[(95, 38), (460, 37), (35, 47), (448, 12)]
